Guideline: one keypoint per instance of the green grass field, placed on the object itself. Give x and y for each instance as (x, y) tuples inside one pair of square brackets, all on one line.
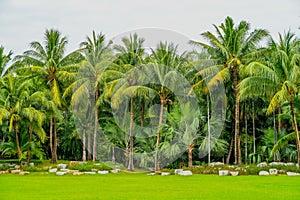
[(140, 186)]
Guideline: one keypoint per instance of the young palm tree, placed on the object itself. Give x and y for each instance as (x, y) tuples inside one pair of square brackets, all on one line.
[(277, 79), (15, 107), (49, 64), (230, 48)]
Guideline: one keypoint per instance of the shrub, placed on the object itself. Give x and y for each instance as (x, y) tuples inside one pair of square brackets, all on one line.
[(89, 167)]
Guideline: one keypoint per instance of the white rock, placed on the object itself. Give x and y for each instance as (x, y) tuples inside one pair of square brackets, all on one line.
[(103, 172), (95, 170), (234, 173), (289, 164), (60, 173), (186, 173), (263, 173), (78, 173), (276, 164), (216, 164), (165, 173), (292, 174), (151, 174), (178, 171), (24, 173), (31, 164), (62, 166), (273, 171), (115, 171), (17, 171), (263, 164), (90, 173), (223, 172), (53, 170)]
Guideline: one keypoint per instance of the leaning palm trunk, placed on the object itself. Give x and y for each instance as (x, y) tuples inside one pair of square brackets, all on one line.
[(162, 103), (130, 165), (237, 149), (295, 127), (95, 127)]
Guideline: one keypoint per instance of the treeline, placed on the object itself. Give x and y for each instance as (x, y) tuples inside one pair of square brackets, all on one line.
[(154, 108)]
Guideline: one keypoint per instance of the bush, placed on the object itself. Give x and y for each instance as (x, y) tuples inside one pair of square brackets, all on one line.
[(32, 169), (89, 167)]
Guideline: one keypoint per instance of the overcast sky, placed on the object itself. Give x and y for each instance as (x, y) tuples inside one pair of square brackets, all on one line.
[(23, 21)]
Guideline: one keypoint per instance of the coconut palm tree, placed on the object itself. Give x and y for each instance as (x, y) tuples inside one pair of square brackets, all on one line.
[(230, 48), (123, 81), (276, 79), (15, 107), (49, 64), (89, 79)]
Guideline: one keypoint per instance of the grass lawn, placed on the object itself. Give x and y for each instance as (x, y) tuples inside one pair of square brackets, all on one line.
[(140, 186)]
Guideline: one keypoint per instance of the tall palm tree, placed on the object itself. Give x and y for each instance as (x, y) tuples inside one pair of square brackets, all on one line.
[(15, 107), (164, 63), (4, 59), (49, 64), (230, 49), (89, 79), (276, 79), (122, 80)]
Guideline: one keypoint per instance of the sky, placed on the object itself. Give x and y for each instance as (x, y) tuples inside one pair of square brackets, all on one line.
[(24, 21)]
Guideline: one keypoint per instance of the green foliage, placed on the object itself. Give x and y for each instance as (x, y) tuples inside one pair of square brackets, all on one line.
[(89, 167)]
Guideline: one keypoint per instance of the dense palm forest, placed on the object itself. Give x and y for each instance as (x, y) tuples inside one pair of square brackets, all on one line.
[(129, 105)]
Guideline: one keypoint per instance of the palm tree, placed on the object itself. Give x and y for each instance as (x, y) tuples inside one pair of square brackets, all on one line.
[(97, 58), (49, 64), (16, 107), (4, 59), (122, 81), (230, 49), (277, 79)]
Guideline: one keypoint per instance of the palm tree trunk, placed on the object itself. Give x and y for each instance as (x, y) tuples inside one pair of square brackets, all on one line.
[(190, 155), (246, 140), (237, 149), (54, 150), (229, 152), (208, 129), (253, 131), (84, 146), (275, 133), (89, 147), (95, 127), (162, 103), (279, 120), (17, 139), (51, 136), (130, 165), (113, 157), (30, 141), (295, 127), (143, 112)]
